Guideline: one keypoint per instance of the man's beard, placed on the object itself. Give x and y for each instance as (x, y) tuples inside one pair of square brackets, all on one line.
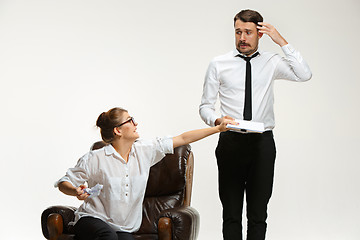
[(246, 52)]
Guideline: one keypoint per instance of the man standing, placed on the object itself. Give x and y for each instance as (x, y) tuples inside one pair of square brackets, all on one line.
[(243, 79)]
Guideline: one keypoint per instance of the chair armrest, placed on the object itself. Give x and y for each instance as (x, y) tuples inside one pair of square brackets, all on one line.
[(184, 224), (57, 215)]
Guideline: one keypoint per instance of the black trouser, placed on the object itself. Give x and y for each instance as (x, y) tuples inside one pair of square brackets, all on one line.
[(245, 164), (89, 228)]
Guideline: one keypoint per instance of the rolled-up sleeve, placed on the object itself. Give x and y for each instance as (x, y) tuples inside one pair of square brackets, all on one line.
[(163, 145), (77, 175)]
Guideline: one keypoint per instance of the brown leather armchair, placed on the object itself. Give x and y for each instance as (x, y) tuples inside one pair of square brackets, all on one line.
[(166, 208)]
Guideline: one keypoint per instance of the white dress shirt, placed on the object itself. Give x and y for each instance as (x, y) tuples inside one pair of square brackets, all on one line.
[(225, 78), (124, 184)]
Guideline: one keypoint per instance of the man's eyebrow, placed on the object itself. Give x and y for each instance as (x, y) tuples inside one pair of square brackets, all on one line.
[(246, 29)]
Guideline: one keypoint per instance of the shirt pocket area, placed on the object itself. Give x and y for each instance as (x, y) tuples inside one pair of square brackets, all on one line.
[(115, 188)]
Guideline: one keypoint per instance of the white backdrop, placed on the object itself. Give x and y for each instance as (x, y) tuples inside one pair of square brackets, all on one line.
[(64, 62)]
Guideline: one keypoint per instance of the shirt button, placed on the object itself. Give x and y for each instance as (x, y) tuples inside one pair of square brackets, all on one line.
[(127, 175), (126, 194), (127, 185)]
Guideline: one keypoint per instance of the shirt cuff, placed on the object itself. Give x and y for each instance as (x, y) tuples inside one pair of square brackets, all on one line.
[(63, 179), (212, 121), (167, 145), (288, 49)]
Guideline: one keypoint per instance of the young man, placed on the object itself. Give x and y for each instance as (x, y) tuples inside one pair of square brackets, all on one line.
[(243, 79)]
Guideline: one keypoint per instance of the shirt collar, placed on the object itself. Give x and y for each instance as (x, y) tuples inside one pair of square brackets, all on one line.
[(236, 52), (110, 150)]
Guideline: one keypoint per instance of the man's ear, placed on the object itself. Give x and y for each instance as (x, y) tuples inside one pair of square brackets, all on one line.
[(260, 34)]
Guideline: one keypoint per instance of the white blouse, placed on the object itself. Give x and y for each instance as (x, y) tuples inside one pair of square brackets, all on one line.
[(120, 201)]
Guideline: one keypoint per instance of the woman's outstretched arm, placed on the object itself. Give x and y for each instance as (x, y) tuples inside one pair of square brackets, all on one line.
[(195, 135)]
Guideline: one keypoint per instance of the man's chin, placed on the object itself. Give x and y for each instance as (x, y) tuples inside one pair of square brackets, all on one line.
[(246, 51)]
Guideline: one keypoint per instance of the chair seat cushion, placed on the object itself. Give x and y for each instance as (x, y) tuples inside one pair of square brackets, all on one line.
[(153, 206)]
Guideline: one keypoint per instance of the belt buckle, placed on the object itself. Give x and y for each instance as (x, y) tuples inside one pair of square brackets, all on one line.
[(243, 131)]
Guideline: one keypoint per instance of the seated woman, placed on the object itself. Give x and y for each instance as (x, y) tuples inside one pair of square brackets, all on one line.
[(122, 167)]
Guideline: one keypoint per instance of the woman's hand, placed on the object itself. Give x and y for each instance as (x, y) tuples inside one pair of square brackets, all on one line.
[(218, 121), (195, 135), (225, 121), (80, 193), (69, 189)]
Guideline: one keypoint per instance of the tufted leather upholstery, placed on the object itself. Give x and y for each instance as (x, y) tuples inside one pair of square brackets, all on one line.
[(166, 208)]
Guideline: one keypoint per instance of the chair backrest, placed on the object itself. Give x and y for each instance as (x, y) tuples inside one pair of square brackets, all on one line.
[(169, 185)]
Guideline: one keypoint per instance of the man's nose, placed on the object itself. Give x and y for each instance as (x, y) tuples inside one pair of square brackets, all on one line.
[(242, 37)]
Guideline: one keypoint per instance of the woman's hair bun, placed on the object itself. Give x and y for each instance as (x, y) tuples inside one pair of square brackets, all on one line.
[(101, 120), (107, 121)]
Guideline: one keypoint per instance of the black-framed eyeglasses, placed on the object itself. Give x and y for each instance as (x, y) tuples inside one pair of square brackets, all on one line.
[(129, 120)]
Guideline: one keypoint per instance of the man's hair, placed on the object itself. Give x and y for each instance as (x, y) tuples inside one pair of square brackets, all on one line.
[(248, 16)]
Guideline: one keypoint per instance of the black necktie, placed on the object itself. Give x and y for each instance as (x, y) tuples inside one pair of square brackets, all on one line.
[(248, 102)]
